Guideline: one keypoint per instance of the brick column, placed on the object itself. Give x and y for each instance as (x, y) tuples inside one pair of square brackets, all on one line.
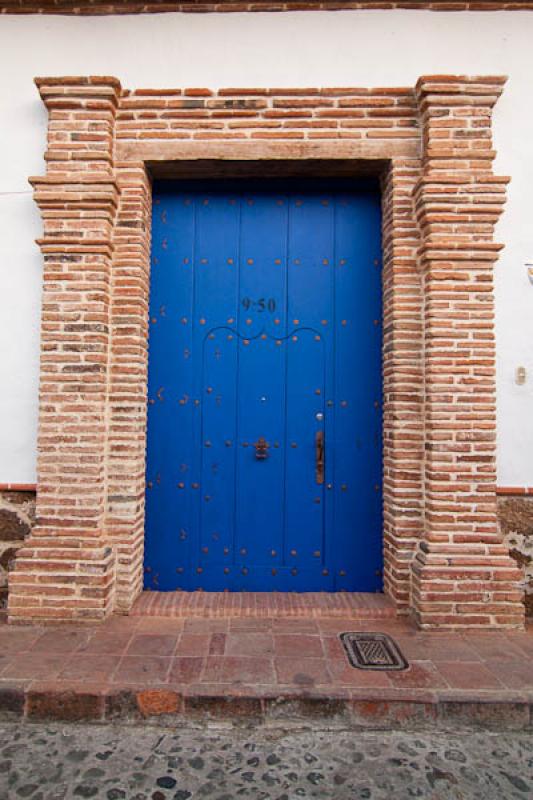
[(66, 569), (462, 575)]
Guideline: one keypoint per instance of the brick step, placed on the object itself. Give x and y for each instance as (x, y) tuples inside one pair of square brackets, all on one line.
[(216, 605)]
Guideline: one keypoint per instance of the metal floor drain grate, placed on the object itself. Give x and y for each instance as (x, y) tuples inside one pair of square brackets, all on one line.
[(373, 651)]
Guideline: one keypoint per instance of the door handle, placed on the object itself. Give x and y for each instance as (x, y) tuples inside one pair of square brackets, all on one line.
[(319, 457)]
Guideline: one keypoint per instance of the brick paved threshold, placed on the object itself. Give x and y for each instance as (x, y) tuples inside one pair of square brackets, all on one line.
[(357, 605), (273, 670)]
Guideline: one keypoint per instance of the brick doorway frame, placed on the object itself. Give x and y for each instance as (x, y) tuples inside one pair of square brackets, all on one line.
[(431, 145)]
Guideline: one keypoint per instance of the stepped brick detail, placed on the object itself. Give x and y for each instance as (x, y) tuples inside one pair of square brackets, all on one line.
[(431, 147), (461, 570)]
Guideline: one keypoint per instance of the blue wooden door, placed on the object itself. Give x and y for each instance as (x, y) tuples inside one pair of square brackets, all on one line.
[(264, 394)]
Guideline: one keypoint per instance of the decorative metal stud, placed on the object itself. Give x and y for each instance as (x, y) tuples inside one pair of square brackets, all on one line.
[(181, 485), (296, 322), (230, 337), (276, 444), (317, 501), (342, 262), (215, 536), (183, 535), (186, 353), (298, 202), (277, 261), (187, 201), (263, 336), (230, 261), (248, 321), (230, 320), (209, 390), (153, 320), (228, 442), (180, 570), (195, 485), (317, 338), (149, 485), (151, 401), (325, 261), (226, 570), (278, 342), (376, 321), (244, 570), (196, 402), (211, 336), (206, 202), (159, 393), (316, 554), (205, 549), (249, 261), (376, 487), (329, 486), (279, 202), (294, 571), (344, 487), (245, 444), (325, 572), (329, 403), (342, 573), (325, 202), (293, 553), (294, 338), (344, 322), (203, 261), (202, 321), (376, 262), (376, 403), (186, 260), (199, 570), (324, 321), (164, 244), (246, 341), (148, 569), (293, 444), (344, 403), (318, 391), (273, 553), (226, 551), (296, 260), (207, 498), (277, 321), (184, 320), (273, 571), (243, 551)]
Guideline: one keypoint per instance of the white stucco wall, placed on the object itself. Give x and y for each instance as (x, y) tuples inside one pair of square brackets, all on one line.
[(353, 48)]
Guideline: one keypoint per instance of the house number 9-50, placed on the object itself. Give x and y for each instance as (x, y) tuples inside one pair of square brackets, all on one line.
[(261, 304)]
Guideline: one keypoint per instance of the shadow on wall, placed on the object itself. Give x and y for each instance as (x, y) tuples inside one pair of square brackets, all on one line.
[(515, 516), (17, 515)]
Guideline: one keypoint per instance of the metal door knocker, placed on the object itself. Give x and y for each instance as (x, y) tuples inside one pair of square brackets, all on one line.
[(261, 448)]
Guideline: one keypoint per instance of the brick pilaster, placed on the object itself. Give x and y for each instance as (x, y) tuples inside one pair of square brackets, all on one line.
[(66, 569), (462, 575)]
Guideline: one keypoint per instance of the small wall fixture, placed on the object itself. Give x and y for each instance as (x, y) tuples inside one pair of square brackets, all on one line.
[(520, 376), (529, 267)]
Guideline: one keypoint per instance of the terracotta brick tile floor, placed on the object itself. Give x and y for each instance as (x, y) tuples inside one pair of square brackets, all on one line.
[(265, 657)]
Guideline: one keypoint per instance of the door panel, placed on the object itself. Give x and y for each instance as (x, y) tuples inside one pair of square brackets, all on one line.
[(264, 334)]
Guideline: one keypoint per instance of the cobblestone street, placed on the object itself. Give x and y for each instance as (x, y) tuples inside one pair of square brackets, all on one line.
[(59, 762)]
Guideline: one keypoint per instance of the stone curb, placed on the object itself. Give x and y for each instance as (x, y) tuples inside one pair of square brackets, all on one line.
[(102, 704)]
